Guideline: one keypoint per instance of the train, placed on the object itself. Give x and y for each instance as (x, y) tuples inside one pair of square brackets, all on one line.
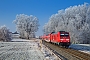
[(61, 38)]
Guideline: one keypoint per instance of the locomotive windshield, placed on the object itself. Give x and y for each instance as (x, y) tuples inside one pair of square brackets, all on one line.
[(64, 34)]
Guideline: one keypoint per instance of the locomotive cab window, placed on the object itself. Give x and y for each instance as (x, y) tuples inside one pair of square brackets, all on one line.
[(64, 34), (61, 34)]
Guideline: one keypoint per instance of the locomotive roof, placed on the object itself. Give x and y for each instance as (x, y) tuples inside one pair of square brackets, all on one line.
[(56, 32), (61, 31)]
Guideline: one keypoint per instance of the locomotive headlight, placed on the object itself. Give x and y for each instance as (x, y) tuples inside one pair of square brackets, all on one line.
[(61, 39), (67, 39)]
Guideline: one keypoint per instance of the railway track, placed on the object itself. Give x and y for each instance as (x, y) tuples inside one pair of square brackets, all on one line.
[(67, 54)]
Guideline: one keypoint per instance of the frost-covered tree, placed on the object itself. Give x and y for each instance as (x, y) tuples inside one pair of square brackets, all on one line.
[(26, 25), (5, 34), (75, 19)]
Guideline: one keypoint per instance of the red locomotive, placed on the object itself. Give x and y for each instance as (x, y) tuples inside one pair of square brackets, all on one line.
[(61, 38)]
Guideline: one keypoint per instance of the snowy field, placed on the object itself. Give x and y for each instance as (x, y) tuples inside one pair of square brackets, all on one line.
[(21, 49), (81, 47)]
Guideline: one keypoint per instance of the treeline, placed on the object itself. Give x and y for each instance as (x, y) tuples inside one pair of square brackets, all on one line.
[(75, 19), (5, 34)]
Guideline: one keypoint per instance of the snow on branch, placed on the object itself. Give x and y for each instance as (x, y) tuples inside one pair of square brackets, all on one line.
[(5, 34), (26, 25), (74, 19)]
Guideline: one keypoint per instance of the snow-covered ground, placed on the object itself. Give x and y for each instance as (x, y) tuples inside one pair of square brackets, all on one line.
[(20, 40), (81, 47), (22, 49)]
